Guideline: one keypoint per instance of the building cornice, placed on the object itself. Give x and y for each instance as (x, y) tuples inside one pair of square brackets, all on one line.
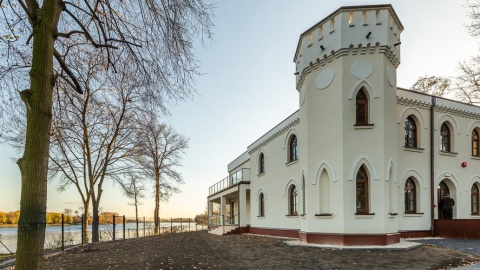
[(270, 136), (438, 108), (352, 50)]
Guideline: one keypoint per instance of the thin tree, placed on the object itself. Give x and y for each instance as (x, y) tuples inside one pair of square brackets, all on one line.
[(159, 155), (433, 85), (134, 189), (156, 33)]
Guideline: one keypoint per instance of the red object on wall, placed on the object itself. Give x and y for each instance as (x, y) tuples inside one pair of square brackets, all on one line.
[(464, 164)]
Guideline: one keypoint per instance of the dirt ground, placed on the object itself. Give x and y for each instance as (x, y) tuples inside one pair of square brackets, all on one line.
[(200, 250)]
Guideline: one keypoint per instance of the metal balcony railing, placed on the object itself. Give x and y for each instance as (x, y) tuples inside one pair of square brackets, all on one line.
[(238, 176)]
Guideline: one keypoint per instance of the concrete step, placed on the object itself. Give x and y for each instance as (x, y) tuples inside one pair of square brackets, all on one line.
[(229, 229)]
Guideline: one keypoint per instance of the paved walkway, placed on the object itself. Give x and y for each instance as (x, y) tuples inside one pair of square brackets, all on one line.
[(468, 246)]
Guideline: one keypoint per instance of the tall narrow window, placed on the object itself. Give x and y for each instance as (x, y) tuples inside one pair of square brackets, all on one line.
[(293, 155), (445, 138), (362, 191), (475, 200), (410, 196), (293, 201), (261, 164), (361, 108), (261, 205), (410, 132), (475, 143)]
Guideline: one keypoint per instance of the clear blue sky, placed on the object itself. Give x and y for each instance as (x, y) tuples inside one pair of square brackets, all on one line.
[(248, 87)]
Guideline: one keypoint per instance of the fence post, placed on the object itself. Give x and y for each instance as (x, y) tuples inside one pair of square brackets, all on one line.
[(171, 225), (144, 234), (123, 227), (188, 224), (181, 224), (113, 235), (63, 233), (83, 229)]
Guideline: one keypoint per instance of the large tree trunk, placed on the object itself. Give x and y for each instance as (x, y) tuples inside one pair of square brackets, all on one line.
[(34, 163), (95, 222), (86, 205), (156, 213)]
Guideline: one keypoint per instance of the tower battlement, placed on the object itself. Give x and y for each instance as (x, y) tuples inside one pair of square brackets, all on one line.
[(352, 29)]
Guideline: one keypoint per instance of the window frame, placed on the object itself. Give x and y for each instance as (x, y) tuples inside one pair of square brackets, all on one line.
[(293, 148), (364, 182), (261, 205), (411, 138), (293, 201), (261, 163), (411, 198), (445, 138), (364, 104), (475, 199), (475, 143)]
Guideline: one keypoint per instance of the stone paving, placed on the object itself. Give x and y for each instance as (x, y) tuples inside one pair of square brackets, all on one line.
[(468, 246)]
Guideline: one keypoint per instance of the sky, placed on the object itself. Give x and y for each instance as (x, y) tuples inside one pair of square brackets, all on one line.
[(248, 87)]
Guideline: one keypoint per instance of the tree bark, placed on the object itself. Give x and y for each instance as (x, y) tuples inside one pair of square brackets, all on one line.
[(86, 205), (156, 213), (95, 222), (34, 163)]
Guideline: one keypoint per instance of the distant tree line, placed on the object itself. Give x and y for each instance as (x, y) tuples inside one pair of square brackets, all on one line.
[(11, 218)]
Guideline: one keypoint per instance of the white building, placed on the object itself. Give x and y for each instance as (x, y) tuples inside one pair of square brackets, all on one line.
[(361, 161)]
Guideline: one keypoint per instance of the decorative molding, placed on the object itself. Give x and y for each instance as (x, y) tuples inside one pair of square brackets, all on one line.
[(275, 135), (352, 50)]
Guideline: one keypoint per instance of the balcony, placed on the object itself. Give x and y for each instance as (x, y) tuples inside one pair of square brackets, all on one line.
[(230, 181)]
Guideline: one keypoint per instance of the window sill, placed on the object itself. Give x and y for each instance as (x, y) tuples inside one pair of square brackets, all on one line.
[(363, 126), (291, 162), (413, 149), (292, 216), (413, 214), (451, 154), (260, 216), (324, 215), (364, 215), (392, 215), (351, 25), (260, 174), (475, 216), (309, 45), (475, 157)]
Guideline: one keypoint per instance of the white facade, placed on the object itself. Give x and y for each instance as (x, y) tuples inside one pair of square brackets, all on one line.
[(355, 51)]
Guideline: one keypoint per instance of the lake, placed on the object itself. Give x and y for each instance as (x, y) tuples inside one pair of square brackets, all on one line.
[(73, 233)]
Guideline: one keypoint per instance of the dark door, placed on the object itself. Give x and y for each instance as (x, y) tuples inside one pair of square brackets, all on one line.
[(442, 189)]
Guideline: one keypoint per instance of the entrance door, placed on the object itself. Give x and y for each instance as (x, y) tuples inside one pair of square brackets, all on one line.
[(442, 189)]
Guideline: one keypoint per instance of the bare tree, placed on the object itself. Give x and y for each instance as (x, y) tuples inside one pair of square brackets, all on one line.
[(159, 156), (157, 34), (433, 85), (134, 190)]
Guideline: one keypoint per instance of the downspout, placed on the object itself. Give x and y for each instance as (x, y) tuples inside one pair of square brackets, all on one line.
[(432, 166)]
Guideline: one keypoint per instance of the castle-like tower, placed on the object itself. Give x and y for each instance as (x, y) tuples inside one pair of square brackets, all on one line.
[(346, 78)]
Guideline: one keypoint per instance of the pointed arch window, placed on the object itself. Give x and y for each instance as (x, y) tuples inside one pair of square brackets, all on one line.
[(410, 196), (361, 108), (475, 143), (293, 201), (475, 200), (293, 150), (410, 132), (445, 145), (362, 191), (261, 205), (261, 164)]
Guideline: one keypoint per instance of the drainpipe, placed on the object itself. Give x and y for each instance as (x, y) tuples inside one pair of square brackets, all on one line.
[(432, 166)]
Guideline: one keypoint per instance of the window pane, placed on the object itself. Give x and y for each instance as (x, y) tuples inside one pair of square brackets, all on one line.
[(361, 198)]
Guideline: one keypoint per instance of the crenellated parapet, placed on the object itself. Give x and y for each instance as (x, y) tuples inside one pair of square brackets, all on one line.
[(349, 30)]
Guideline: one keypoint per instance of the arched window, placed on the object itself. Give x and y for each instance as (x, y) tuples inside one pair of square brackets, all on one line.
[(293, 201), (362, 191), (410, 132), (261, 205), (410, 196), (445, 138), (293, 155), (361, 108), (261, 164), (475, 200), (475, 143)]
